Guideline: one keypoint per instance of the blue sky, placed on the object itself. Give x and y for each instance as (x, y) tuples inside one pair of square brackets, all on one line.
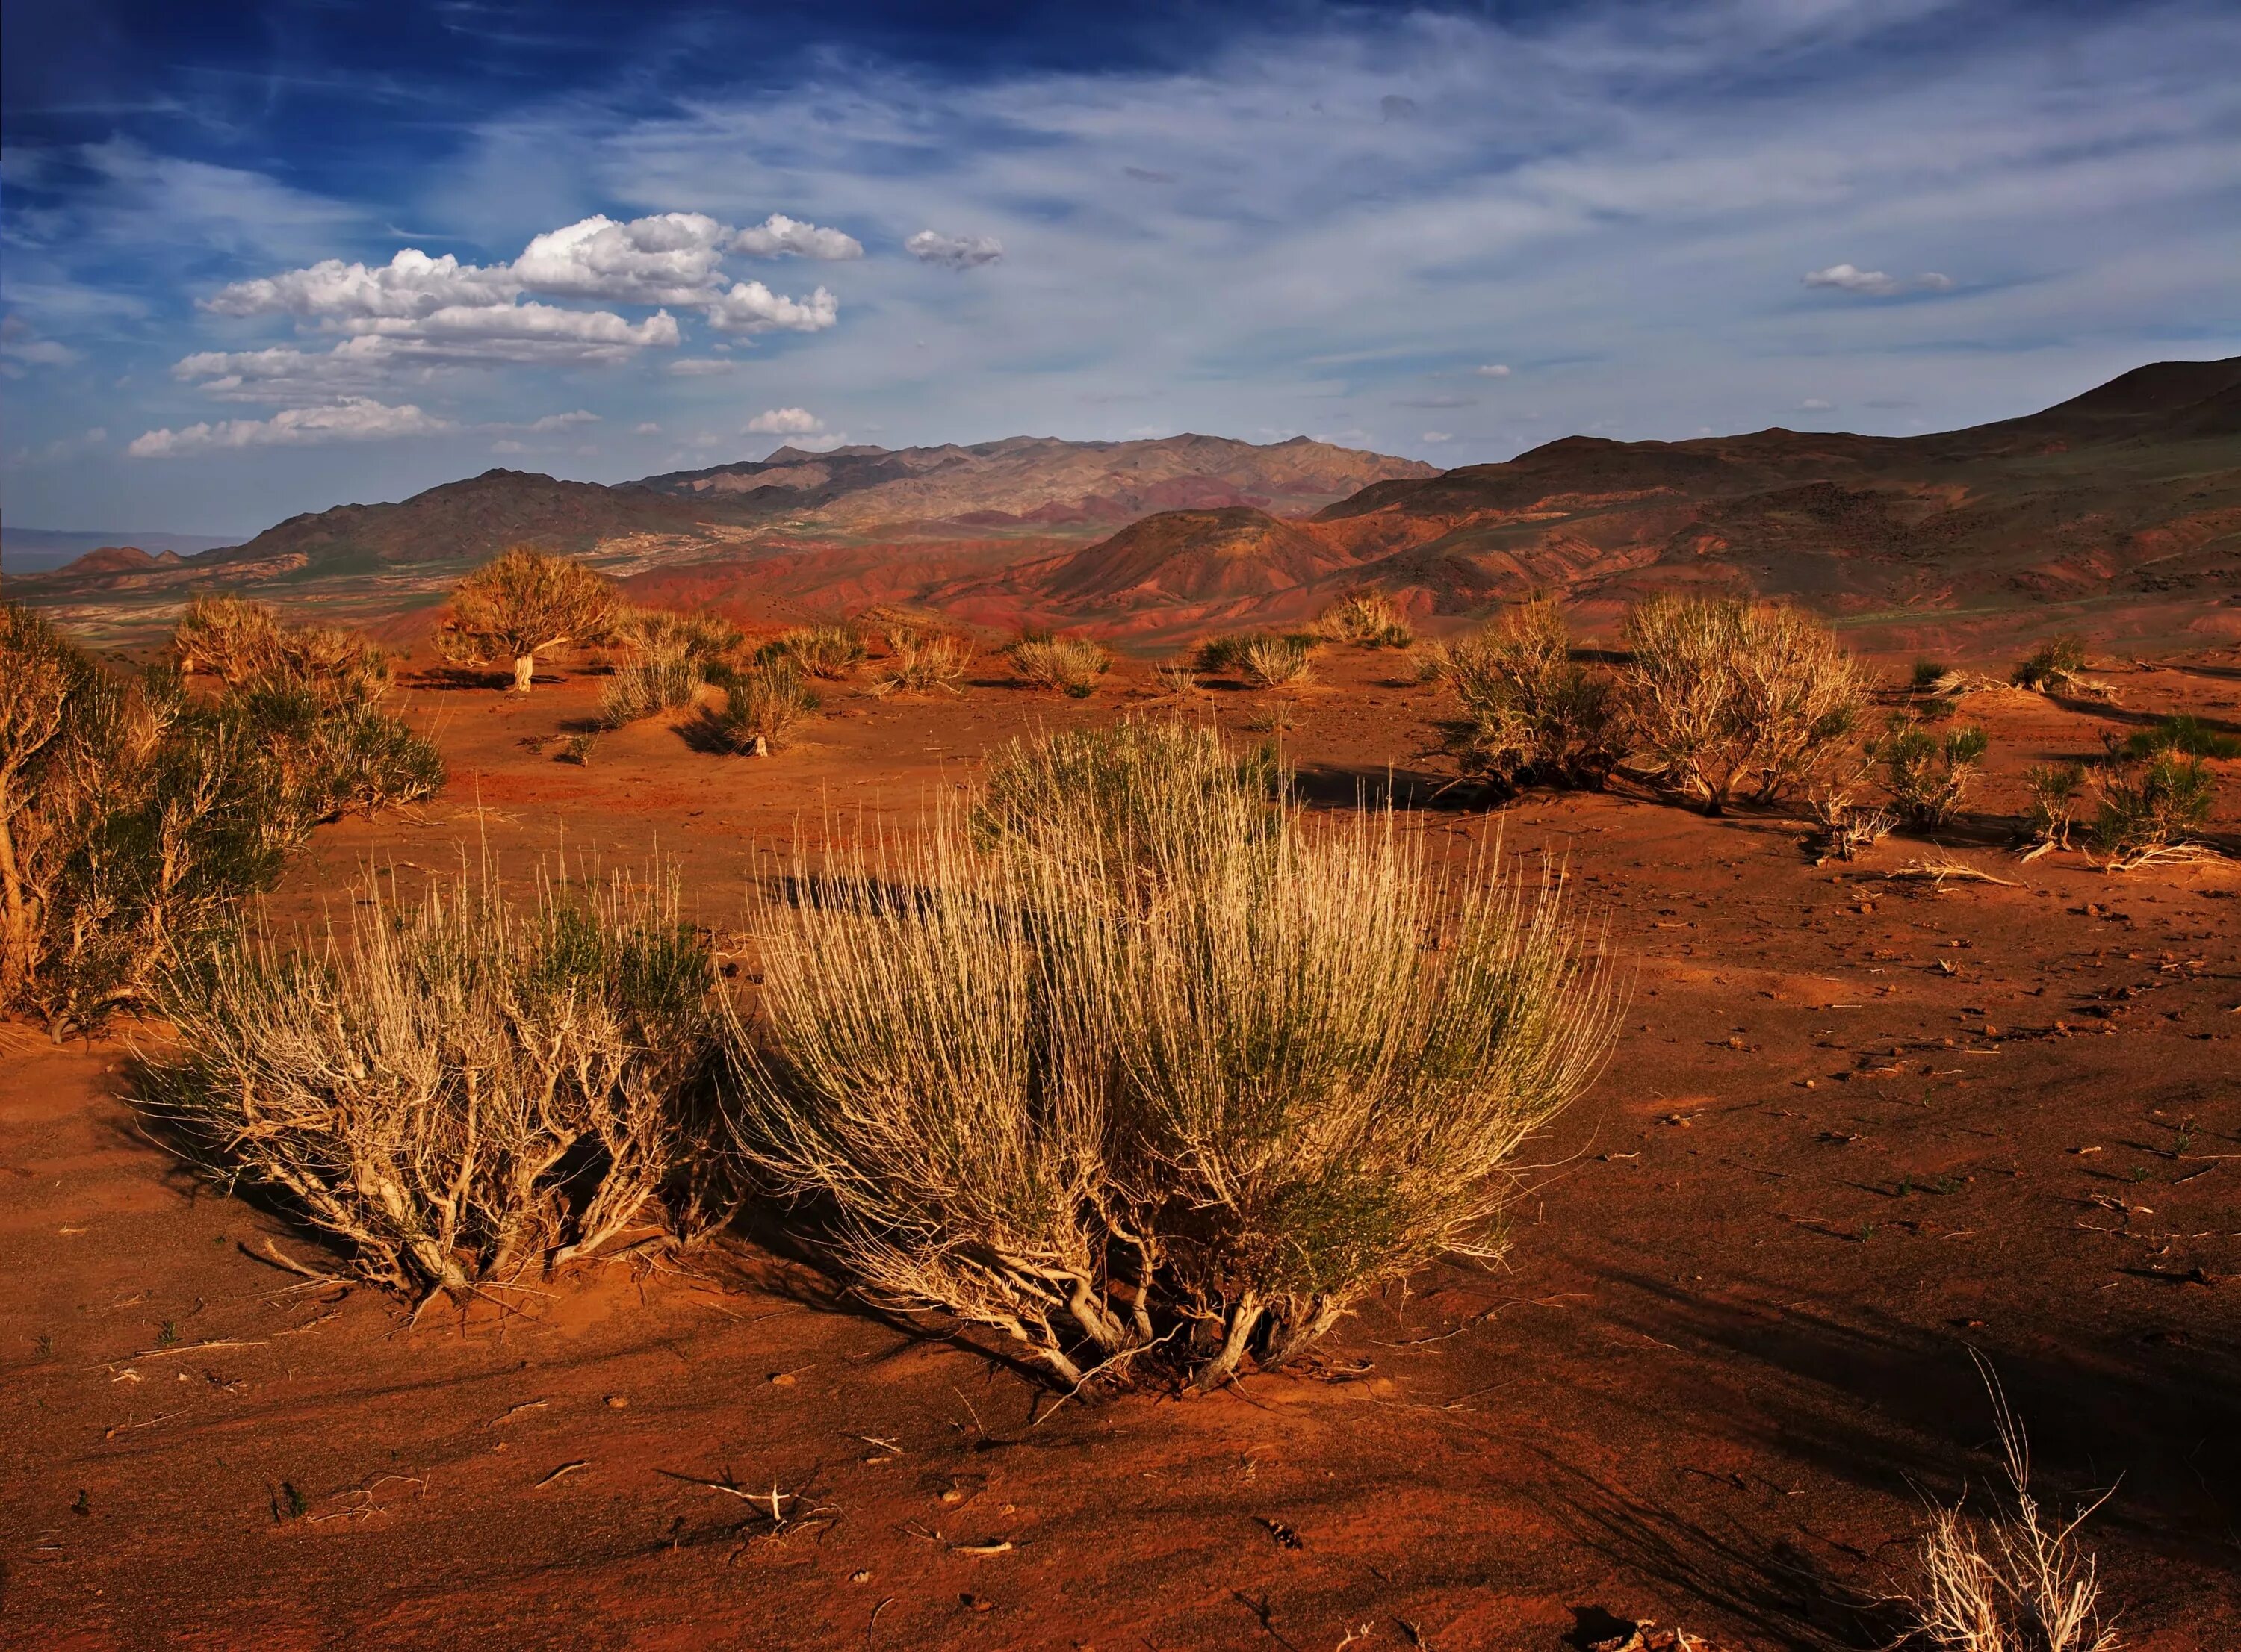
[(260, 260)]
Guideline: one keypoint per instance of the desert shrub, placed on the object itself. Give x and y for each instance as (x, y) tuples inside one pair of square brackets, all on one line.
[(522, 605), (1275, 661), (1221, 654), (246, 644), (1430, 662), (1531, 714), (2186, 734), (1072, 665), (2054, 665), (1149, 789), (2013, 1578), (647, 686), (1366, 619), (462, 1089), (1179, 680), (704, 640), (577, 748), (2055, 789), (226, 637), (1928, 676), (828, 649), (762, 708), (2148, 810), (1723, 696), (134, 813), (1929, 776), (1153, 1089), (921, 662)]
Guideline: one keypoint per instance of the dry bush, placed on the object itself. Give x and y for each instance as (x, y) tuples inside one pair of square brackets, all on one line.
[(761, 708), (1724, 696), (1531, 714), (706, 639), (246, 644), (1071, 664), (463, 1089), (1180, 680), (2055, 789), (226, 637), (132, 812), (2055, 665), (2185, 734), (1222, 654), (830, 650), (1928, 775), (921, 662), (1366, 619), (1277, 661), (664, 658), (647, 686), (1134, 1083), (526, 604), (2014, 1580), (2151, 811)]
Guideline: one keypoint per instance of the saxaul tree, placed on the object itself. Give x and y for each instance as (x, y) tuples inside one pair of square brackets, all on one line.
[(524, 605)]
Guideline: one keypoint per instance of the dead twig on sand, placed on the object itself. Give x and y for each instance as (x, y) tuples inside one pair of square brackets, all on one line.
[(1945, 870)]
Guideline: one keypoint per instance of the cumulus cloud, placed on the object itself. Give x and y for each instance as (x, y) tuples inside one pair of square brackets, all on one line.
[(778, 236), (1816, 404), (565, 421), (358, 419), (752, 307), (1492, 370), (1846, 277), (649, 428), (671, 257), (954, 251), (786, 421), (700, 366), (411, 285)]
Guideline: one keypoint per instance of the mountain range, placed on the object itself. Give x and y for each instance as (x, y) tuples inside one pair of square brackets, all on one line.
[(2128, 496)]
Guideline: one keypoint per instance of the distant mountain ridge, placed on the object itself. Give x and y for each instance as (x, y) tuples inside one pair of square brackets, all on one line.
[(2132, 488), (1039, 485)]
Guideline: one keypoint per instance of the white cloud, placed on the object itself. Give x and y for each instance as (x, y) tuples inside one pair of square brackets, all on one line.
[(21, 347), (778, 236), (1436, 436), (700, 366), (752, 307), (1847, 277), (1874, 283), (566, 421), (509, 447), (785, 421), (954, 251), (358, 419), (1814, 404), (1492, 370), (649, 428), (671, 257), (411, 285)]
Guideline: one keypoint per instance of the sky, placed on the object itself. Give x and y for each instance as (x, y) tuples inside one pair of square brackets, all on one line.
[(264, 258)]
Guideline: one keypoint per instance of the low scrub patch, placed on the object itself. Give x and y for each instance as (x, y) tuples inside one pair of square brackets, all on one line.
[(1130, 1085), (830, 650), (1531, 715), (1928, 775), (762, 708), (1277, 661), (1367, 619), (459, 1090), (1725, 698), (2152, 811), (2054, 666), (525, 604), (134, 811), (923, 662), (1070, 665), (2185, 734)]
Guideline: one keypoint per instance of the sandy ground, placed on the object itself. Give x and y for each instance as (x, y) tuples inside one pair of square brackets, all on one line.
[(1855, 1127)]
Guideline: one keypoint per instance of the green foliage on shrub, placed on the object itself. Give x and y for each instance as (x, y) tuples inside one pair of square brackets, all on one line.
[(1928, 775), (1531, 714), (134, 811)]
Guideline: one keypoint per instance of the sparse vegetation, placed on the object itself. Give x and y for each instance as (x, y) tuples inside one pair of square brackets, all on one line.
[(1724, 696), (1222, 653), (922, 662), (1277, 661), (2014, 1579), (2151, 811), (762, 708), (1929, 677), (1194, 1137), (2055, 789), (463, 1090), (524, 605), (1929, 776), (2186, 734), (133, 811), (2055, 665), (1367, 619), (1070, 665), (1530, 713), (830, 650)]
